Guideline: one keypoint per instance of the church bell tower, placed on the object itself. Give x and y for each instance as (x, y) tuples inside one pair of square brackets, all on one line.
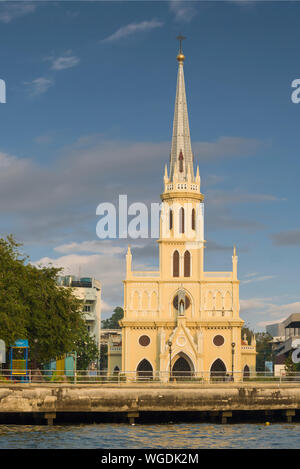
[(180, 320), (182, 221)]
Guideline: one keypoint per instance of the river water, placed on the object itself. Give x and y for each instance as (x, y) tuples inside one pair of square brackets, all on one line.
[(120, 436)]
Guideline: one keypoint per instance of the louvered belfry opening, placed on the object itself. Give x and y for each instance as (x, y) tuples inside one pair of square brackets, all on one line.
[(193, 219), (176, 264), (171, 219), (187, 264)]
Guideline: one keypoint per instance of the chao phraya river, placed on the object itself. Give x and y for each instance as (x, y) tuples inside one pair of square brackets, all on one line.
[(119, 436)]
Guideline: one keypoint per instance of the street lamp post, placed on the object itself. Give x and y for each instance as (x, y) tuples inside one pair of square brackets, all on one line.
[(232, 351), (170, 358)]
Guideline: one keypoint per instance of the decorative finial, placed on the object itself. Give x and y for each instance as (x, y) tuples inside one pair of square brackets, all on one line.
[(180, 56)]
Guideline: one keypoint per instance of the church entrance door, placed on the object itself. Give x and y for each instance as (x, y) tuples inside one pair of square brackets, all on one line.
[(182, 368)]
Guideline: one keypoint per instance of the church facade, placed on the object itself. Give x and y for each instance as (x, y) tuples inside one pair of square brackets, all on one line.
[(182, 319)]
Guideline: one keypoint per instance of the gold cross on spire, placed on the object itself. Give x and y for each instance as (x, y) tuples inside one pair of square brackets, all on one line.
[(180, 39)]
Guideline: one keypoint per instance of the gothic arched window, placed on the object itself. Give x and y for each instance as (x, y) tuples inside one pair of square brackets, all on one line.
[(171, 219), (187, 264), (181, 220), (144, 369), (193, 220), (176, 264), (180, 162)]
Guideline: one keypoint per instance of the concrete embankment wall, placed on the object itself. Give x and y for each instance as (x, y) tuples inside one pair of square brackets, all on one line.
[(132, 401)]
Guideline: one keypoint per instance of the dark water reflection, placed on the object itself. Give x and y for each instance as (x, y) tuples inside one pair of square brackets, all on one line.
[(188, 436)]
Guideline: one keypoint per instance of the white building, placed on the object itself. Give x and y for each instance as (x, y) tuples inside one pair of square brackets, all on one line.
[(88, 290), (286, 339)]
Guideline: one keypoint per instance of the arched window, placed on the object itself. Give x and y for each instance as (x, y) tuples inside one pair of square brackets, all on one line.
[(187, 264), (176, 264), (246, 372), (180, 162), (219, 301), (136, 301), (145, 370), (227, 302), (193, 219), (153, 301), (145, 301), (181, 220), (171, 219), (218, 369)]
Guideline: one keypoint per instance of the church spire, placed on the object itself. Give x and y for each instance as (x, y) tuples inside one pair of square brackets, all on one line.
[(181, 150)]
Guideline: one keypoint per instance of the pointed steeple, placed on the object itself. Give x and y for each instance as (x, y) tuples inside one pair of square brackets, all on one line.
[(181, 150)]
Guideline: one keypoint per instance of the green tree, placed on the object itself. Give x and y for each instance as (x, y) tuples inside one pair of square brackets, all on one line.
[(113, 321), (33, 307), (290, 366), (264, 350), (87, 350), (103, 357), (13, 311)]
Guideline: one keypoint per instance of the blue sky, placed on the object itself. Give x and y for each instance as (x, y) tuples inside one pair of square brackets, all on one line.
[(90, 100)]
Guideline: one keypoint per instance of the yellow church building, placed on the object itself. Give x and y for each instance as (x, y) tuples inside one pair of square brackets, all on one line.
[(181, 319)]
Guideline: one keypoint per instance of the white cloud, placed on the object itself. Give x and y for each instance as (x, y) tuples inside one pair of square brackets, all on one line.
[(81, 179), (286, 238), (11, 166), (267, 323), (11, 10), (256, 307), (226, 147), (133, 28), (106, 308), (39, 86), (64, 62), (252, 304), (105, 261), (261, 278), (225, 198), (94, 246), (110, 270), (47, 138), (183, 10)]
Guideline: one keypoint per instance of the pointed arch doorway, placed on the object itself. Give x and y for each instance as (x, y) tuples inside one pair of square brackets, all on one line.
[(246, 372), (182, 367), (144, 370), (218, 369)]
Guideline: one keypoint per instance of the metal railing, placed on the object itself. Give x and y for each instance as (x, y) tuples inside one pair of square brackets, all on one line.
[(78, 377)]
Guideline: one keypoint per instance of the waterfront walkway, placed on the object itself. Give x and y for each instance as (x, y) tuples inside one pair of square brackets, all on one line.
[(48, 402)]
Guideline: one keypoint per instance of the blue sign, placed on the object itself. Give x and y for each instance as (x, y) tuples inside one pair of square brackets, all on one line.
[(21, 343), (269, 367)]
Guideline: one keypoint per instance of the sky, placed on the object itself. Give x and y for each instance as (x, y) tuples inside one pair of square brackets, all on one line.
[(90, 92)]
